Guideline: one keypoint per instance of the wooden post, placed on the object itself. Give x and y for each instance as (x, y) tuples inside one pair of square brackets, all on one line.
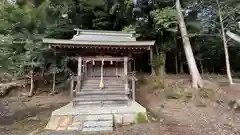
[(130, 63), (133, 89), (126, 74), (101, 85), (151, 60), (71, 86), (79, 77)]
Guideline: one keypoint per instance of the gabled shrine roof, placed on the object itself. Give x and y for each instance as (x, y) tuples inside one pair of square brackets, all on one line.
[(97, 35), (96, 38)]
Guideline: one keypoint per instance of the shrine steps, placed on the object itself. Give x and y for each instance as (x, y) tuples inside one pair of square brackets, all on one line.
[(100, 92), (90, 120), (112, 94), (95, 123), (100, 100), (106, 88), (82, 124)]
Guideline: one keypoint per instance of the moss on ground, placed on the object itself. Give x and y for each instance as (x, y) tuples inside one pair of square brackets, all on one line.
[(141, 118)]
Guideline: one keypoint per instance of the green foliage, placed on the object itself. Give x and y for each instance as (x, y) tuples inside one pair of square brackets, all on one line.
[(158, 60), (157, 83), (22, 48), (177, 93), (164, 18), (23, 25), (129, 28), (206, 93), (141, 118)]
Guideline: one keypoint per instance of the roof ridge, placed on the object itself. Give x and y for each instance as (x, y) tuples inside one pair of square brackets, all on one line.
[(103, 31)]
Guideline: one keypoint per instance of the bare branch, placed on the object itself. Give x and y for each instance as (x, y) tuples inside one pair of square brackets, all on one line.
[(233, 36), (231, 12)]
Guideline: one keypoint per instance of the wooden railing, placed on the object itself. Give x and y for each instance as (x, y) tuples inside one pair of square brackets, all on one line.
[(132, 83), (75, 84)]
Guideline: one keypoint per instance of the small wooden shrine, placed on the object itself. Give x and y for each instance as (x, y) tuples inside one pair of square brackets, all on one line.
[(105, 82), (103, 54)]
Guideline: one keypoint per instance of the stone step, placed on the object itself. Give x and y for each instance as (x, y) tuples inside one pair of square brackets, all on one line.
[(104, 89), (95, 123), (110, 80), (88, 117), (100, 103), (105, 86), (97, 129), (105, 83), (66, 132), (88, 124), (102, 92), (101, 98), (104, 78)]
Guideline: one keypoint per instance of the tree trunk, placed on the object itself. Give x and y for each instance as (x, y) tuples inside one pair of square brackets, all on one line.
[(42, 74), (31, 83), (180, 62), (153, 73), (5, 88), (201, 64), (54, 75), (196, 78), (176, 55), (200, 60), (176, 63), (162, 59), (54, 81), (225, 45)]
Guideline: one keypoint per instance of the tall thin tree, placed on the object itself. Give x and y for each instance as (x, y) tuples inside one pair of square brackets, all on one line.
[(225, 44), (196, 77)]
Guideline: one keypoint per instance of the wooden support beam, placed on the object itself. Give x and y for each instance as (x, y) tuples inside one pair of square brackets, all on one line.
[(130, 63), (105, 58), (126, 74), (79, 77), (71, 87), (133, 89)]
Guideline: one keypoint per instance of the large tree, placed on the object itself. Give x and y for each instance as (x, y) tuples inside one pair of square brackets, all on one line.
[(196, 78)]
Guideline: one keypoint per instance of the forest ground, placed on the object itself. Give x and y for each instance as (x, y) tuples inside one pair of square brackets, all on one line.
[(176, 108)]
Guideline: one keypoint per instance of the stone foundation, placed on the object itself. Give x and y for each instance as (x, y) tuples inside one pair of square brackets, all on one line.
[(104, 118)]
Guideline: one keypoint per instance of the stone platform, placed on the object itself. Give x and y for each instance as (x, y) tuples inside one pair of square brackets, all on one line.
[(93, 119)]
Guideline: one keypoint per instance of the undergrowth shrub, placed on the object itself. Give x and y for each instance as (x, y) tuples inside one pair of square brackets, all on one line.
[(141, 118), (206, 93), (177, 93)]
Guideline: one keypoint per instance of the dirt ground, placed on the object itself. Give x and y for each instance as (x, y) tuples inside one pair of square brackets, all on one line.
[(208, 113), (177, 109), (23, 115)]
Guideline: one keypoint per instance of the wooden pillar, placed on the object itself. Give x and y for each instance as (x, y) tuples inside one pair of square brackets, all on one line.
[(133, 89), (126, 74), (71, 86), (79, 76), (130, 64), (151, 60), (101, 85)]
